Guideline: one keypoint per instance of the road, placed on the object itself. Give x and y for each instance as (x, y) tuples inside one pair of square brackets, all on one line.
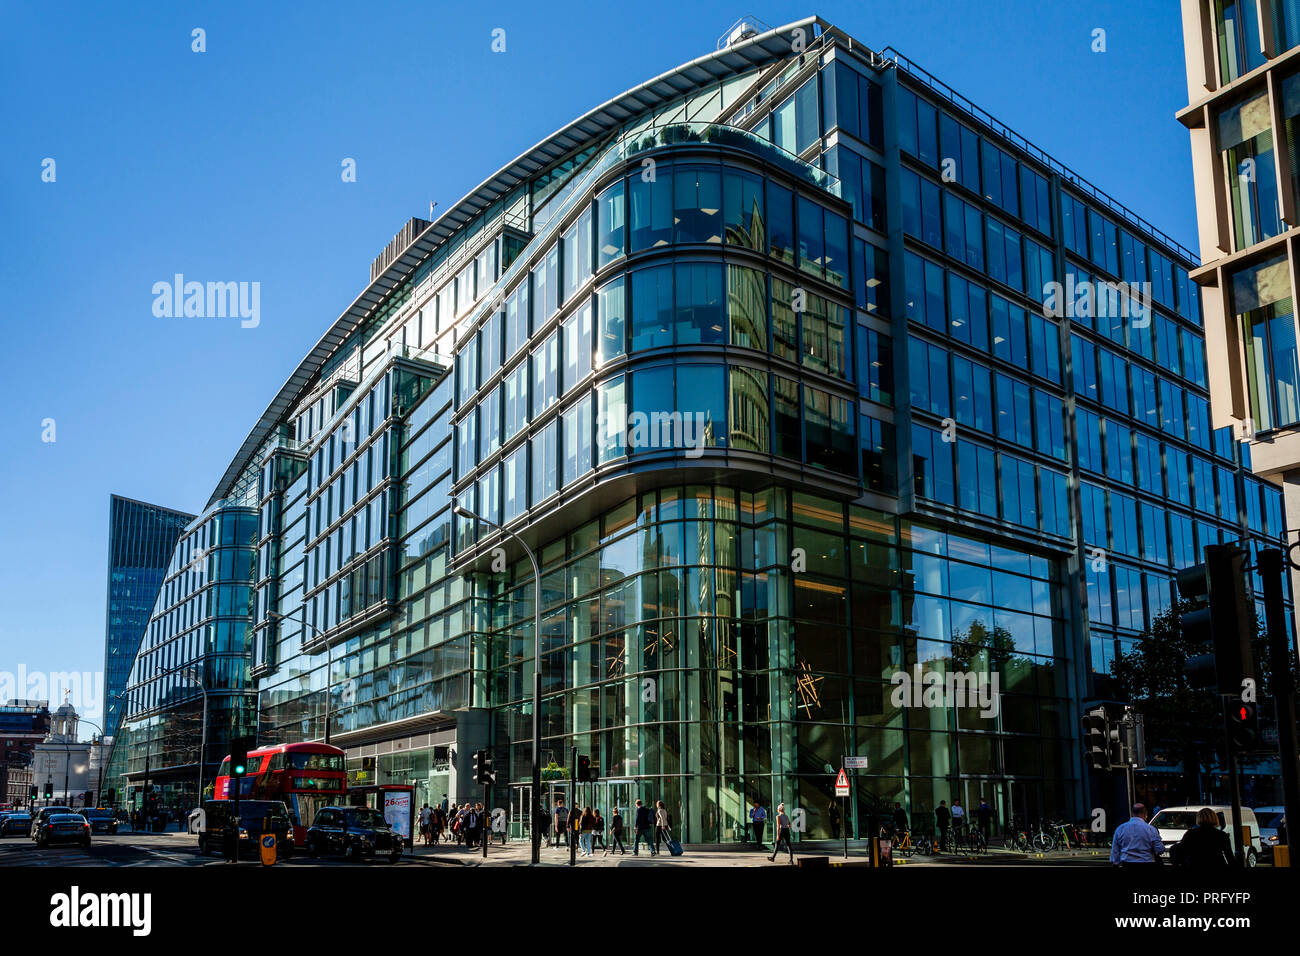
[(140, 849), (181, 849)]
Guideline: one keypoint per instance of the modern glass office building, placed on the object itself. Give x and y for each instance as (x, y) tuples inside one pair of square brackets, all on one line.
[(780, 364), (1243, 114), (141, 538)]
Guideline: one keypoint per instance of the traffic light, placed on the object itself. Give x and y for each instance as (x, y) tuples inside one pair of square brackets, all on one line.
[(1243, 724), (33, 793), (49, 790), (1096, 738), (1221, 616), (483, 772), (239, 747)]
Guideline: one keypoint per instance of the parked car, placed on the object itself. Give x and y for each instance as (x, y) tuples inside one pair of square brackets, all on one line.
[(217, 824), (43, 814), (101, 820), (354, 832), (16, 821), (1174, 822), (1268, 818), (63, 828)]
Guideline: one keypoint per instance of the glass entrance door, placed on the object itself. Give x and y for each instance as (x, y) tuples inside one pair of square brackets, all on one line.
[(520, 825), (611, 794)]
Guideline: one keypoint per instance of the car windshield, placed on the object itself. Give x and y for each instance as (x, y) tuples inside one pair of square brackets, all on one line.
[(253, 814), (1174, 820), (366, 817), (1268, 819), (99, 814)]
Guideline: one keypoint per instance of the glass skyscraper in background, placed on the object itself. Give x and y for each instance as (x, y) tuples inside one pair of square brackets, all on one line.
[(779, 364), (141, 538)]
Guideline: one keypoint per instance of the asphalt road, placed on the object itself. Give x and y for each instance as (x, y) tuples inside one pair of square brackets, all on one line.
[(143, 849)]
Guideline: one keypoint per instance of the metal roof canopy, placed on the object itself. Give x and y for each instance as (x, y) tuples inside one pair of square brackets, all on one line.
[(762, 50)]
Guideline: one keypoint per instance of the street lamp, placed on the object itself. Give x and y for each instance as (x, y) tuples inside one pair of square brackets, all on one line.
[(535, 808), (329, 658), (192, 674)]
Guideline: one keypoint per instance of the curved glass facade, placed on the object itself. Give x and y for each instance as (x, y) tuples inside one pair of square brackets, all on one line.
[(766, 378)]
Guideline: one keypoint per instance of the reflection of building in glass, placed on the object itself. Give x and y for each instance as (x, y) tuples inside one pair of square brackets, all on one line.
[(905, 463), (140, 541)]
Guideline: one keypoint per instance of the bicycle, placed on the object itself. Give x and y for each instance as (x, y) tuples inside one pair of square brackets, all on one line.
[(901, 843), (968, 839)]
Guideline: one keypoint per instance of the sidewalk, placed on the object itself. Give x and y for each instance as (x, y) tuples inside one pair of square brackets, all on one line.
[(517, 853)]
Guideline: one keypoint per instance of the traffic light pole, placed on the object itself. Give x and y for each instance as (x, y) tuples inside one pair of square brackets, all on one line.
[(1230, 753), (573, 843), (1272, 566)]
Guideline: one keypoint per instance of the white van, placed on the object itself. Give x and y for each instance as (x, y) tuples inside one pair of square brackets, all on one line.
[(1174, 822)]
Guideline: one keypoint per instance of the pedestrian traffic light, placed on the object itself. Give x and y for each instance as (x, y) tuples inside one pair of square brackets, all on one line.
[(1243, 724), (1096, 738), (483, 772), (239, 747), (1221, 617)]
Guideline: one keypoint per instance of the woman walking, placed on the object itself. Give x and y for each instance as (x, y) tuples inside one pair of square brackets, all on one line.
[(782, 833), (586, 827), (616, 833), (662, 823)]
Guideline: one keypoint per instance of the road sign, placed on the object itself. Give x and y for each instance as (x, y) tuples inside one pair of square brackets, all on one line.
[(842, 784), (855, 763)]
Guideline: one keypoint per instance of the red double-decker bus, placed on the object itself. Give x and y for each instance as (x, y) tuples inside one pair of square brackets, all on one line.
[(305, 776)]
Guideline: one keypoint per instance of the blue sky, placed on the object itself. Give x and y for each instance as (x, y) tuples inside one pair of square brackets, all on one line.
[(225, 166)]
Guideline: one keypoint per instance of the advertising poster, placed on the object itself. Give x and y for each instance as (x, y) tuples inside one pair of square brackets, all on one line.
[(397, 811)]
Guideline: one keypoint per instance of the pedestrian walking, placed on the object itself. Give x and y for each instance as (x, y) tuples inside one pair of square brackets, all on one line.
[(663, 823), (586, 829), (561, 815), (1205, 846), (958, 819), (943, 819), (834, 814), (1136, 843), (616, 834), (782, 833), (426, 823), (643, 822), (575, 817), (598, 835), (757, 820), (984, 813), (900, 819)]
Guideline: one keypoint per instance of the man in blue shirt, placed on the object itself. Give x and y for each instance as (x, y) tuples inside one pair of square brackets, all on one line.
[(757, 819), (1137, 841)]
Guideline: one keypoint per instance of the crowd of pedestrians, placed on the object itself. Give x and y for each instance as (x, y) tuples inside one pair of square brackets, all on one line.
[(466, 825)]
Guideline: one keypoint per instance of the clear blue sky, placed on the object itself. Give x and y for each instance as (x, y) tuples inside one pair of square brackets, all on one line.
[(226, 166)]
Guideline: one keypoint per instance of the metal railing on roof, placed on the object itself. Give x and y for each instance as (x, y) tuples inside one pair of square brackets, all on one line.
[(1066, 173)]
